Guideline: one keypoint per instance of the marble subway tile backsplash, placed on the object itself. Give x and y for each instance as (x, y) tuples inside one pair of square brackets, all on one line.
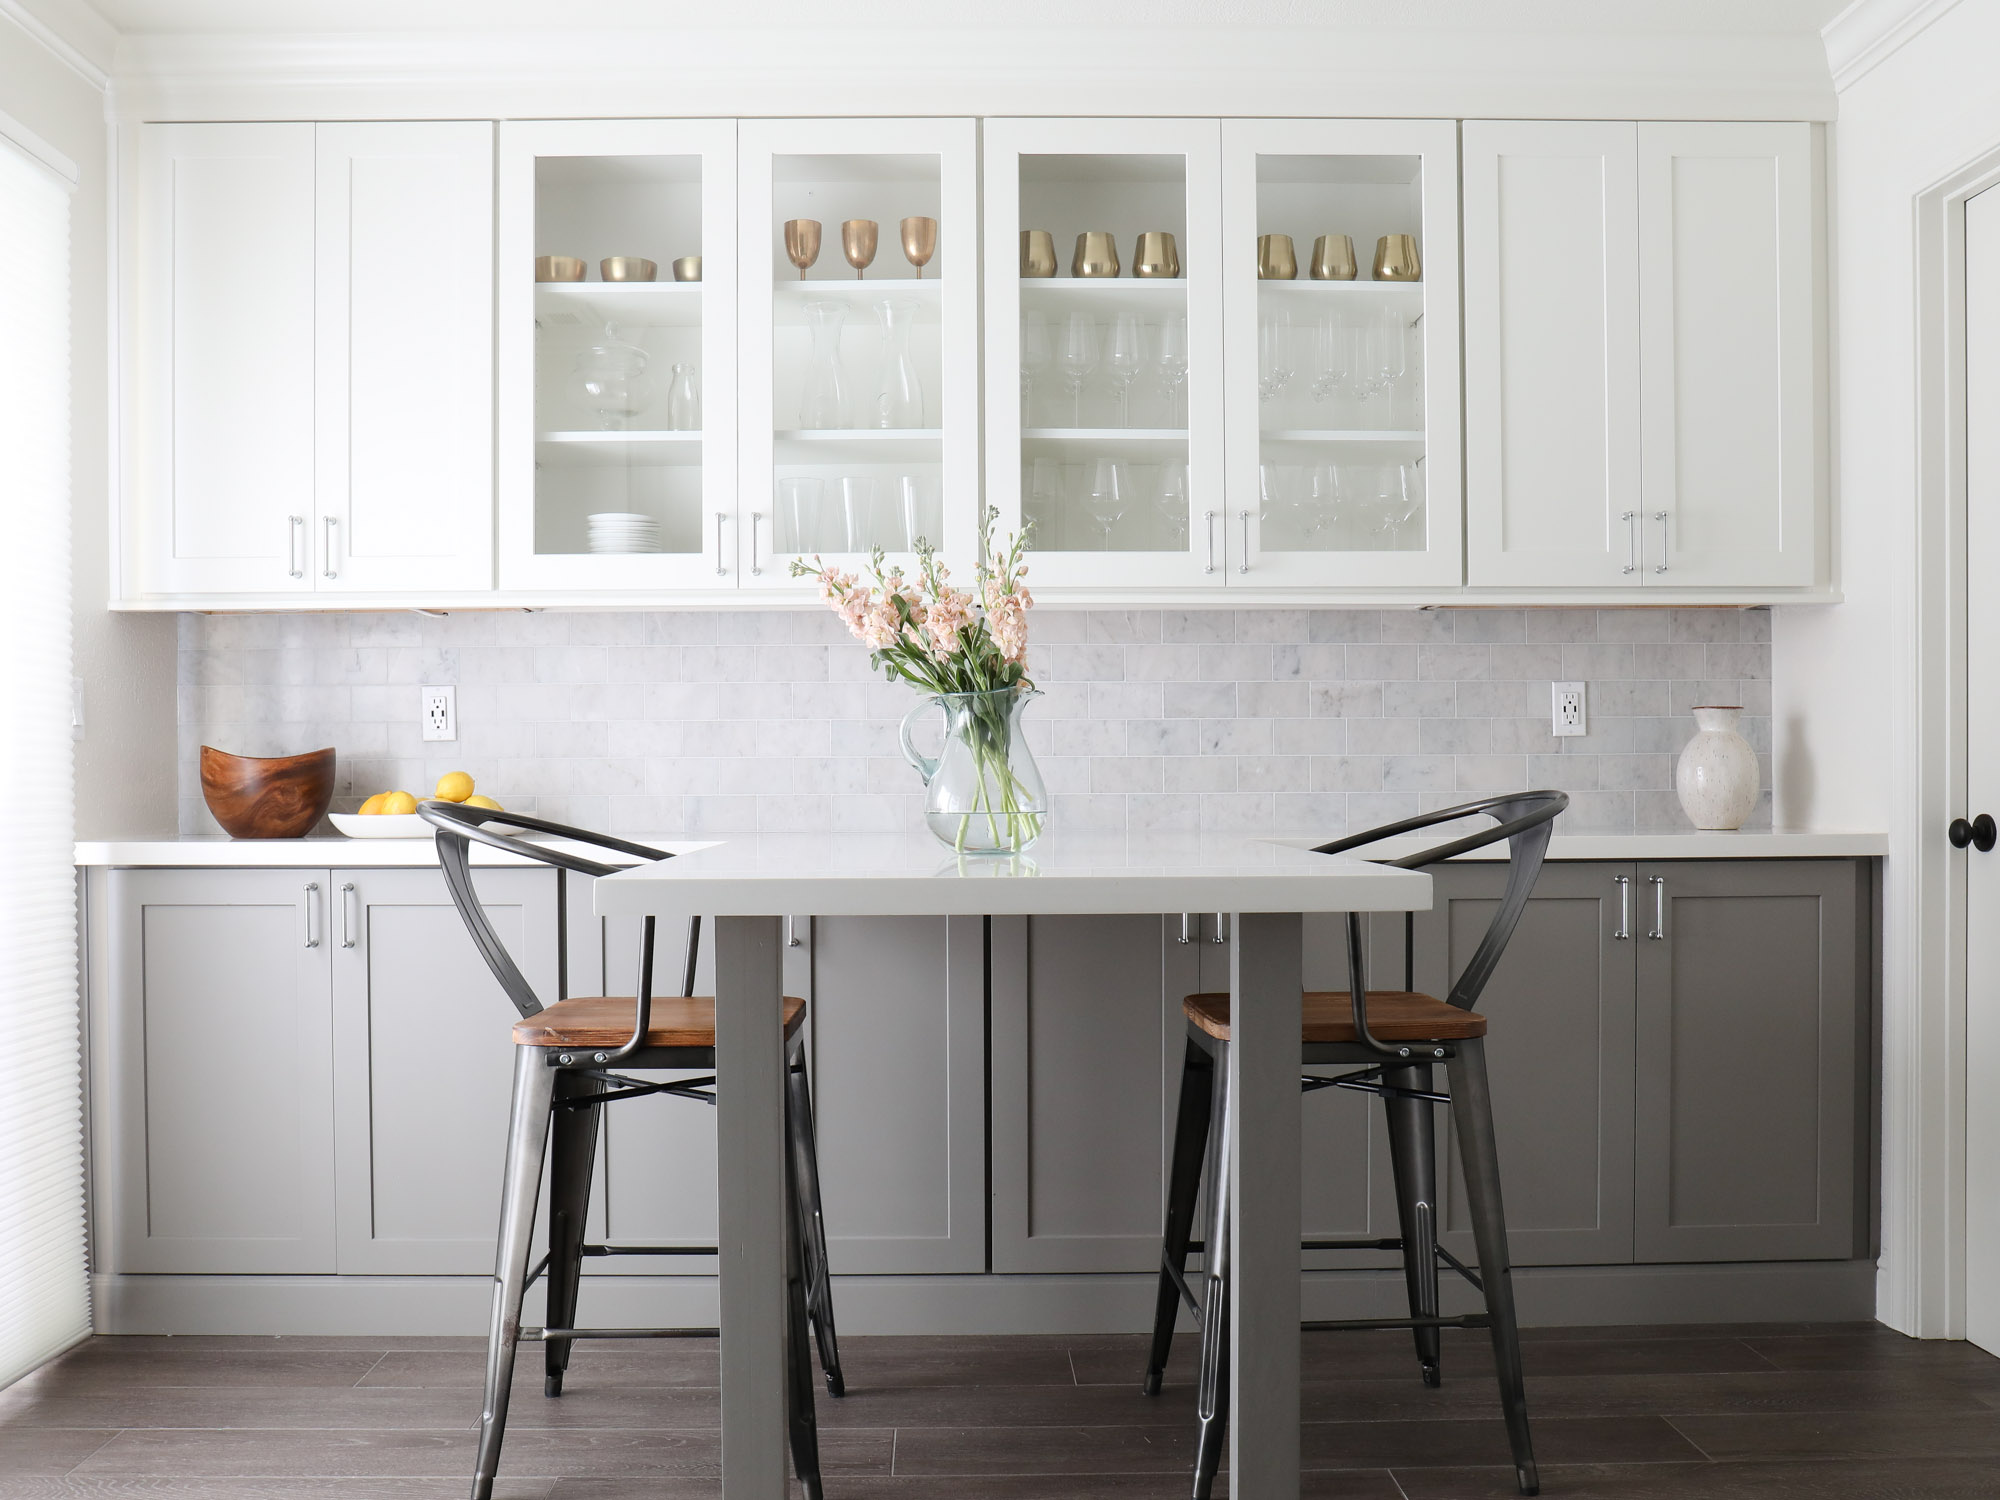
[(1306, 720)]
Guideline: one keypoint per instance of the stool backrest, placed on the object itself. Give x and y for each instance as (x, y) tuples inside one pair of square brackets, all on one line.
[(459, 827), (1526, 820)]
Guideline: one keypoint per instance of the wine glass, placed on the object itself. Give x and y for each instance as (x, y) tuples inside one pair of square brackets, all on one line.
[(1044, 503), (1271, 503), (1077, 355), (1110, 497), (1036, 355), (1387, 353), (1123, 355), (919, 242), (1324, 506), (1170, 367), (1332, 357), (1274, 355), (858, 238), (802, 243), (1172, 502)]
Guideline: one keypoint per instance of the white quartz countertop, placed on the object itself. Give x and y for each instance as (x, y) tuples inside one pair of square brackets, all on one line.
[(363, 854)]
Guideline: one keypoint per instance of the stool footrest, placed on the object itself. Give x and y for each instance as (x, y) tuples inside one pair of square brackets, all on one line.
[(561, 1335), (649, 1249), (1349, 1325)]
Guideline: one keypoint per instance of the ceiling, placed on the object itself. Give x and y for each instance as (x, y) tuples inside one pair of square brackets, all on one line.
[(1561, 17)]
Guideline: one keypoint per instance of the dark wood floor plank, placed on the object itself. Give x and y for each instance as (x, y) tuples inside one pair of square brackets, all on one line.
[(1868, 1350), (1941, 1479), (96, 1365), (668, 1362), (1861, 1434), (125, 1488), (994, 1451), (31, 1452), (1576, 1440), (136, 1406)]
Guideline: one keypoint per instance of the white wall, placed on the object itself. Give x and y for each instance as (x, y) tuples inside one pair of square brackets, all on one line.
[(125, 763)]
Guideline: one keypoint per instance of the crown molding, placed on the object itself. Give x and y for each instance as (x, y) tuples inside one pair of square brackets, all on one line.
[(1869, 32), (73, 32), (1270, 71)]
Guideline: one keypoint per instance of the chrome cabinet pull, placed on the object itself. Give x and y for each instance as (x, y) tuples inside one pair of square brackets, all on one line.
[(1208, 528), (1631, 520), (327, 524), (1187, 927), (755, 517), (295, 540), (1659, 931), (1661, 565), (1221, 928), (1623, 931), (720, 567), (349, 916), (791, 932), (312, 899), (1243, 563)]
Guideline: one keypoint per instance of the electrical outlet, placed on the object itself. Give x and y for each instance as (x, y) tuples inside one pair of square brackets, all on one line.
[(1566, 708), (440, 713)]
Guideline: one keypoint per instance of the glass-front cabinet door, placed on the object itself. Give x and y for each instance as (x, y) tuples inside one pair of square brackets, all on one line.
[(1340, 260), (617, 309), (1104, 349), (859, 267)]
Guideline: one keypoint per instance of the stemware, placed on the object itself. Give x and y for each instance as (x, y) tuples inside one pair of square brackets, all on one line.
[(1123, 356), (1274, 355), (1332, 356), (1387, 352), (857, 243), (823, 403), (1043, 503), (802, 243), (1109, 498), (1172, 502), (799, 514), (919, 242), (1077, 356), (921, 514), (1325, 506), (1271, 506), (899, 394), (684, 399), (1036, 356), (1170, 367), (857, 501)]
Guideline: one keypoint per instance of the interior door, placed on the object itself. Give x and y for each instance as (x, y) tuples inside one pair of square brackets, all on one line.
[(1982, 776)]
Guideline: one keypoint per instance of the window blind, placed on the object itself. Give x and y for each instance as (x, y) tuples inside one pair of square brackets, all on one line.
[(44, 1292)]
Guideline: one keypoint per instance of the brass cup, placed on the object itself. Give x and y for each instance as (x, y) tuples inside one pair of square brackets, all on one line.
[(1276, 260), (559, 268), (1396, 258), (687, 268), (1038, 253), (857, 242), (802, 243), (1333, 258), (919, 242), (1096, 254), (1155, 256), (627, 268)]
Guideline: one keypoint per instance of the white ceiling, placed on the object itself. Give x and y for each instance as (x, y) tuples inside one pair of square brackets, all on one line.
[(1560, 17)]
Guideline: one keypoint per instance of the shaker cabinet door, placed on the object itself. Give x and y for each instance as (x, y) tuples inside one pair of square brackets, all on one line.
[(405, 357), (220, 356), (1552, 353), (424, 1062), (221, 1082)]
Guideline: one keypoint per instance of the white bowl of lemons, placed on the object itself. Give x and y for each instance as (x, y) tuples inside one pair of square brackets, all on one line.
[(393, 815)]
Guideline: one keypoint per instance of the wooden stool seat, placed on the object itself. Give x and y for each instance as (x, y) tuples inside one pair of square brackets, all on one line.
[(606, 1021), (1393, 1015)]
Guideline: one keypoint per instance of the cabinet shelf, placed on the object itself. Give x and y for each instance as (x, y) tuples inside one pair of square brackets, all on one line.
[(858, 445), (617, 449), (1342, 435), (646, 304), (1104, 435), (1305, 287), (1137, 295)]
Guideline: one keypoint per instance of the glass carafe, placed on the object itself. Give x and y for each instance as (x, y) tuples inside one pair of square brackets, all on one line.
[(684, 399), (983, 794), (610, 382), (823, 401), (899, 394)]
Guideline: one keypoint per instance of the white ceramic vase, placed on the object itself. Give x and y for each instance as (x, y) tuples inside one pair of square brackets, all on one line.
[(1717, 776)]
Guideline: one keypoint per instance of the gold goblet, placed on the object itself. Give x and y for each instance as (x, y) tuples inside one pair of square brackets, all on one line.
[(919, 242), (1038, 253), (1396, 258), (1096, 254), (1155, 256), (802, 243), (1333, 258), (1276, 261), (857, 243)]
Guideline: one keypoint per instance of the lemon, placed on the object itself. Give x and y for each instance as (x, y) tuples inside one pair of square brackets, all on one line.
[(486, 802), (454, 786), (374, 804), (398, 802)]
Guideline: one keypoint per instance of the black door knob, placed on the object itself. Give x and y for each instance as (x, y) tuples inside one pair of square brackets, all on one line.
[(1981, 833)]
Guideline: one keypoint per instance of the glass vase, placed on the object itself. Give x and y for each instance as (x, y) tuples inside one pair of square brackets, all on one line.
[(823, 401), (610, 382), (899, 395), (983, 794)]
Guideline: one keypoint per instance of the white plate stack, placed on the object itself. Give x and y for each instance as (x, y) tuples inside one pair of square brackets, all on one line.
[(624, 531)]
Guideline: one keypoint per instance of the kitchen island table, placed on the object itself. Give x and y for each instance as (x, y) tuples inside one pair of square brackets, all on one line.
[(747, 884)]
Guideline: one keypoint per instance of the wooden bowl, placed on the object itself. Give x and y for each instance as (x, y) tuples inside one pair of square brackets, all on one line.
[(258, 797)]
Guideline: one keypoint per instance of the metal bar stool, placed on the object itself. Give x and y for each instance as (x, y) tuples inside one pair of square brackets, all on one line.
[(1398, 1036), (563, 1079)]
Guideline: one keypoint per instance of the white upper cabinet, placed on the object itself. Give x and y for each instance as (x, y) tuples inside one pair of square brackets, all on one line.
[(405, 357), (1639, 356), (1552, 353), (1341, 368), (617, 396), (1104, 392), (1727, 354), (220, 483)]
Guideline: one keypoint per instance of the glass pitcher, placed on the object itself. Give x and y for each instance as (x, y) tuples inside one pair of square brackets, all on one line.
[(983, 794), (899, 393)]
